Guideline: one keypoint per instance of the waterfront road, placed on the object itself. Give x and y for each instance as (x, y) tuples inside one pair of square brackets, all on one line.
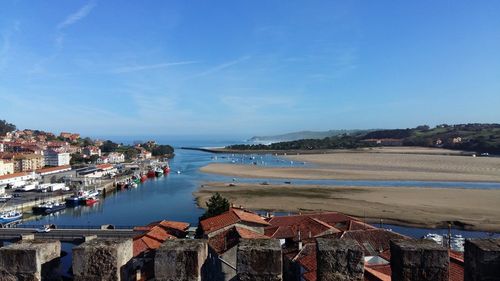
[(67, 235)]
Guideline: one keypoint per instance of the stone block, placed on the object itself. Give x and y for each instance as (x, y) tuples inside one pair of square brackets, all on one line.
[(259, 260), (102, 259), (180, 260), (24, 260), (339, 260), (482, 260), (421, 260)]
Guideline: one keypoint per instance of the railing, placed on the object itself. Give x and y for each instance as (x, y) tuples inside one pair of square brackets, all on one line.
[(95, 227)]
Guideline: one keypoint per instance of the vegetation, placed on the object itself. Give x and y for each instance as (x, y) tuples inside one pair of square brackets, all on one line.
[(6, 127), (109, 146), (482, 138), (216, 205)]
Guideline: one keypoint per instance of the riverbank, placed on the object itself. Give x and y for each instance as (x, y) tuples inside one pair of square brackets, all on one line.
[(408, 206), (380, 164)]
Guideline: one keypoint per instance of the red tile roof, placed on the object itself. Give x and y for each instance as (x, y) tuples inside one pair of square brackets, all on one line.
[(52, 169), (231, 217), (14, 175), (378, 273), (156, 234), (104, 166), (373, 241), (456, 268), (229, 238)]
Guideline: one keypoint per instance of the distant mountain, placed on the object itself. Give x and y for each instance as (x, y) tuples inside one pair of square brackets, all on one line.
[(305, 135)]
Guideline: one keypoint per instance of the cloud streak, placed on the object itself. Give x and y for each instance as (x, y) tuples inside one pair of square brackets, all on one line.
[(76, 16), (136, 68), (221, 67)]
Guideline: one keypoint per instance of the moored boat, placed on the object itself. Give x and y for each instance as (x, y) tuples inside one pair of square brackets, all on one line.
[(144, 178), (91, 200), (151, 173), (166, 168), (158, 172), (10, 216), (48, 207)]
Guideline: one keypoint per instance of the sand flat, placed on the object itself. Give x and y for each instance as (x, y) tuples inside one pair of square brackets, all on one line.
[(429, 207), (374, 165)]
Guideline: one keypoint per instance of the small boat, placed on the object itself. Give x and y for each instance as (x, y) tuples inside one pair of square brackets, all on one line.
[(5, 197), (151, 174), (120, 185), (48, 207), (91, 200), (10, 216), (132, 184), (158, 172), (144, 178), (434, 237), (166, 169)]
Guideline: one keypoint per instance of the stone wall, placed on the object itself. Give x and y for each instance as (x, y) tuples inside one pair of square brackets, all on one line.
[(339, 260), (482, 260)]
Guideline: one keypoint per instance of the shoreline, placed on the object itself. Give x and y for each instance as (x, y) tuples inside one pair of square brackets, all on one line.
[(406, 206)]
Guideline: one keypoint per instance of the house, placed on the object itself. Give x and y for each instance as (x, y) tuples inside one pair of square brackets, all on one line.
[(155, 234), (103, 160), (54, 158), (143, 153), (6, 167), (106, 169), (28, 162), (2, 147), (224, 233), (91, 150), (115, 157), (233, 217), (16, 177)]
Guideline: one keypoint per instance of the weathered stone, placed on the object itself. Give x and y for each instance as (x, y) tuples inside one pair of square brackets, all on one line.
[(102, 259), (482, 260), (421, 260), (339, 260), (24, 261), (180, 260), (259, 260)]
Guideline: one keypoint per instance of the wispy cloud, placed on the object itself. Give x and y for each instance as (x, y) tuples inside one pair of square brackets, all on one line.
[(5, 43), (76, 16), (135, 68), (221, 67)]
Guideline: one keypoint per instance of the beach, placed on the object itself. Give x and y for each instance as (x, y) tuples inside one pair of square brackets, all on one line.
[(387, 164), (411, 206), (476, 209)]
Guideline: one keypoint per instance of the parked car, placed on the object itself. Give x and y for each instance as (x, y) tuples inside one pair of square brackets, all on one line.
[(43, 229)]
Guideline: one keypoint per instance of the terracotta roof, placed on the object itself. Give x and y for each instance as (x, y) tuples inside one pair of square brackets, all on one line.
[(310, 225), (373, 241), (378, 273), (248, 234), (52, 169), (183, 226), (14, 175), (230, 217), (229, 238), (456, 268), (104, 166), (156, 234)]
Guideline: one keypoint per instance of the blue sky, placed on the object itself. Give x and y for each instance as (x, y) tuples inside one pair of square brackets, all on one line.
[(247, 67)]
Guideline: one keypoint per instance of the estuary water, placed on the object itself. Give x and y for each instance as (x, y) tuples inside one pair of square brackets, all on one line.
[(170, 197)]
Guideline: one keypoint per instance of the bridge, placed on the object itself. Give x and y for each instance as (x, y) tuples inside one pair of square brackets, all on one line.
[(66, 234)]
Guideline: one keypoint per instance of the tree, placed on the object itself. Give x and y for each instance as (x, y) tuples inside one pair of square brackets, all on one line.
[(6, 127), (161, 150), (216, 205), (109, 146)]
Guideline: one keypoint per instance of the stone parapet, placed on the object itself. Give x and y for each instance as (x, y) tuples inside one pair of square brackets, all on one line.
[(339, 260), (259, 260), (482, 260), (180, 260)]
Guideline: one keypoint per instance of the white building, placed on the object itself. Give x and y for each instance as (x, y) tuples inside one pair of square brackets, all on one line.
[(54, 158), (2, 147), (6, 168), (115, 157), (16, 177)]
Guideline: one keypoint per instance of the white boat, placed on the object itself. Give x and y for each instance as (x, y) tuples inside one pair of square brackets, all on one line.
[(5, 197), (434, 237), (10, 216)]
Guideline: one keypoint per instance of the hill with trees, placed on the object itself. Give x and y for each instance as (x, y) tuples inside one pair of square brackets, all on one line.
[(482, 138)]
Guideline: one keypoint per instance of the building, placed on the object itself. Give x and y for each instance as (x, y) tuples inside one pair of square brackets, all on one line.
[(384, 142), (28, 162), (16, 177), (54, 158), (103, 160), (115, 157), (6, 167), (143, 153), (91, 150), (2, 147), (53, 170)]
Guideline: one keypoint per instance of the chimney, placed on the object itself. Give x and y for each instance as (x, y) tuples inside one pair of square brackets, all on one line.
[(300, 240)]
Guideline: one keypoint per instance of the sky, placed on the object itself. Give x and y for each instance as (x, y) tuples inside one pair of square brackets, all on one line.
[(243, 68)]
